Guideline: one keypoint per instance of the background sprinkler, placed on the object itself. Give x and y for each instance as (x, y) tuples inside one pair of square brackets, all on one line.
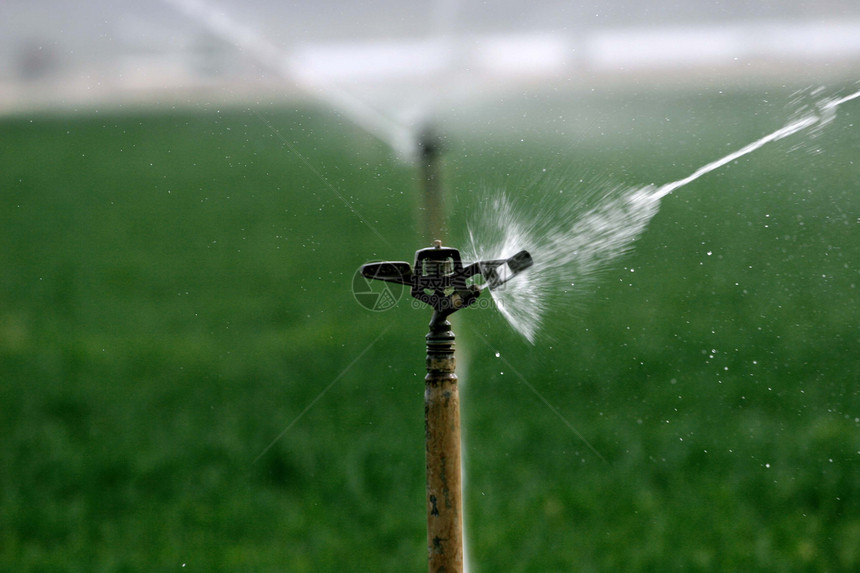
[(430, 147), (438, 279)]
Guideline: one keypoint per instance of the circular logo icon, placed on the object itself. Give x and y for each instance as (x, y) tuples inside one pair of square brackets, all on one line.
[(374, 294)]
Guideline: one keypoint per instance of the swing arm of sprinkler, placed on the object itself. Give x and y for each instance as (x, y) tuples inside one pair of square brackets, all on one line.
[(438, 277)]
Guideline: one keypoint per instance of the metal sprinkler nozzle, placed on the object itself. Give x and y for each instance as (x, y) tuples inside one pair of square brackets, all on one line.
[(438, 277)]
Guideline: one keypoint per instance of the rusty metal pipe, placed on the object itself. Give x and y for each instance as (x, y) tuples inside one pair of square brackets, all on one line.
[(442, 439)]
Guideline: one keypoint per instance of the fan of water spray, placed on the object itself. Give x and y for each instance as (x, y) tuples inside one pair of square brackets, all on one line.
[(598, 224)]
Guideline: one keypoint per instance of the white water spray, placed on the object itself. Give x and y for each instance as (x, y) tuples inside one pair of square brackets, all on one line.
[(599, 225), (395, 129)]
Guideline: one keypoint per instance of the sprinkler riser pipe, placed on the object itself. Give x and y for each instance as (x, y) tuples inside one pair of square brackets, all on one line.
[(442, 451), (439, 279)]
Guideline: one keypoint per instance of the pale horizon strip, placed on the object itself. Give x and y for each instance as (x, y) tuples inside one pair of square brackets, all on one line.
[(783, 132), (535, 391), (322, 393)]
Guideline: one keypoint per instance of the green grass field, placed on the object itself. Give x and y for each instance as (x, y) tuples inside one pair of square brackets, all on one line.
[(175, 292)]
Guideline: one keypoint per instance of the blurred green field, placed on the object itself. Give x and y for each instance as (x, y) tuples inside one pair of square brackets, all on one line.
[(176, 292)]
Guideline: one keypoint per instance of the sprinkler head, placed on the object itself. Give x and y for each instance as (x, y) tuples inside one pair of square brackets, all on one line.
[(438, 277)]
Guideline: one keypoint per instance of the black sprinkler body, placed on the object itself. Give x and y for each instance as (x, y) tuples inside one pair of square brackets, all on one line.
[(438, 277)]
